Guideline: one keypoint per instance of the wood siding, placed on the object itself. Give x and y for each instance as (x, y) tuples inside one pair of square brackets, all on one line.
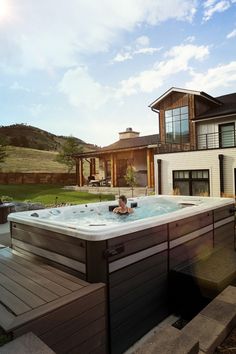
[(175, 100)]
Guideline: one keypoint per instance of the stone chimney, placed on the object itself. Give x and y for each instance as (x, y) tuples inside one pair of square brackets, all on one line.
[(129, 133)]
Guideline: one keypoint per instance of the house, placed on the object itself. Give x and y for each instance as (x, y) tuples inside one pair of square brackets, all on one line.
[(196, 152), (109, 164)]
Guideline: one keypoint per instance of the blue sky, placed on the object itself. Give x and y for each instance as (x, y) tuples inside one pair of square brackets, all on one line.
[(91, 68)]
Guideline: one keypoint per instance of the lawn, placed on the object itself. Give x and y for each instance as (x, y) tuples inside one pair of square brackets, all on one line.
[(50, 194)]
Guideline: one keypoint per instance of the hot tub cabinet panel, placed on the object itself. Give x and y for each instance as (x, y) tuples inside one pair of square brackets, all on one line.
[(191, 250), (134, 261), (59, 249), (187, 226), (139, 302)]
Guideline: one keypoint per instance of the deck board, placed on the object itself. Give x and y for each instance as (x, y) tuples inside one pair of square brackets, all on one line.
[(16, 305), (50, 274), (24, 283), (14, 263), (21, 292), (29, 284)]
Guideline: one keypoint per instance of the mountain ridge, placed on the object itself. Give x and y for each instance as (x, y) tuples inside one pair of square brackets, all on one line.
[(27, 136)]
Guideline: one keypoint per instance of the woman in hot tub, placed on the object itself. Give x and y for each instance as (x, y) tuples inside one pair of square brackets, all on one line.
[(122, 209)]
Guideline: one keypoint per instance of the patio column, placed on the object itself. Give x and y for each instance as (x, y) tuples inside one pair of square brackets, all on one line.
[(150, 168), (80, 173), (115, 171), (112, 170), (92, 166), (77, 172)]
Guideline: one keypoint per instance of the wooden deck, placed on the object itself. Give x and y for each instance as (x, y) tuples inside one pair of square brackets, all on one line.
[(67, 313)]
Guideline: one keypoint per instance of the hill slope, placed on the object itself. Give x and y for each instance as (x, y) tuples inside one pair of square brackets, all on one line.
[(26, 136), (30, 160)]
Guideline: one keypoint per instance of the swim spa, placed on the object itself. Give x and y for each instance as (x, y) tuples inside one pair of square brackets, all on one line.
[(132, 256)]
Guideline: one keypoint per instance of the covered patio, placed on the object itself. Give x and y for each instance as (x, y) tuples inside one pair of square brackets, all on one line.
[(108, 165)]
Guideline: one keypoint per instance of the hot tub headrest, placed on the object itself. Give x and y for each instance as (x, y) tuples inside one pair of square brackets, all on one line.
[(112, 207), (133, 205)]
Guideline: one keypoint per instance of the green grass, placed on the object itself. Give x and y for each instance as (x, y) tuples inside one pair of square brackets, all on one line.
[(21, 159), (48, 195)]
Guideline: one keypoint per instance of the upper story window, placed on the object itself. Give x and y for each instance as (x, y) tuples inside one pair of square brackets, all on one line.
[(227, 136), (177, 125)]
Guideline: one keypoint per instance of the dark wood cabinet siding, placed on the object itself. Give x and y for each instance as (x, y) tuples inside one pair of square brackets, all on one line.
[(59, 250), (138, 285), (175, 100)]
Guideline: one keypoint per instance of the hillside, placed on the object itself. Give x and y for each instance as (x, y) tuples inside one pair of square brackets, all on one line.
[(26, 136), (30, 160)]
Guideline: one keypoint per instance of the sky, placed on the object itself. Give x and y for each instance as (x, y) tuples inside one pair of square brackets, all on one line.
[(90, 68)]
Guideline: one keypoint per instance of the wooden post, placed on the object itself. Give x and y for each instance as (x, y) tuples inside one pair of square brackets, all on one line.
[(92, 166), (150, 172), (115, 171), (112, 171), (77, 179), (80, 173)]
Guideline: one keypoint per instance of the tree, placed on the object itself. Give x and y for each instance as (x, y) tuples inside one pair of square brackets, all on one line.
[(130, 177), (69, 148)]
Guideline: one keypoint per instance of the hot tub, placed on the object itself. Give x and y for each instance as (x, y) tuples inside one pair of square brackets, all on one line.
[(132, 256)]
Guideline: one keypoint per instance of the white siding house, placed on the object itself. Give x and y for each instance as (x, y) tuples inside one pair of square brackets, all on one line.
[(195, 161), (198, 158)]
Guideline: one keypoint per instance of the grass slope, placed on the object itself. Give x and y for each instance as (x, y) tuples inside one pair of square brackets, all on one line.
[(21, 159), (49, 195)]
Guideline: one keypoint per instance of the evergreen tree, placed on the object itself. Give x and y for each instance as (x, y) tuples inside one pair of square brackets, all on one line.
[(69, 148)]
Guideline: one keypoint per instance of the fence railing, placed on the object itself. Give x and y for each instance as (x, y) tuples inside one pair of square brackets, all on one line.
[(203, 142)]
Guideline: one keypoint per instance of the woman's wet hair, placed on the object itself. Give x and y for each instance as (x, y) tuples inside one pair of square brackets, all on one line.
[(123, 198)]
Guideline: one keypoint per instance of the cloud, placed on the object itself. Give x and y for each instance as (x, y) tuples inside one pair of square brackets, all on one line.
[(213, 6), (120, 57), (140, 46), (83, 91), (142, 41), (215, 78), (49, 34), (177, 60), (190, 39), (17, 87), (231, 34)]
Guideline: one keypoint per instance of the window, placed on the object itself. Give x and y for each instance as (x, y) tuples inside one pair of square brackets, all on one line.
[(177, 125), (192, 182), (227, 135)]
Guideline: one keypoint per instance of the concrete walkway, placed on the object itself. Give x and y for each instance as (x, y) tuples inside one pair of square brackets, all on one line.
[(117, 191)]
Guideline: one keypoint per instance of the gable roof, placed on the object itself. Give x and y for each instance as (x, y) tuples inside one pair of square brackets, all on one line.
[(227, 107), (139, 142), (181, 90)]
